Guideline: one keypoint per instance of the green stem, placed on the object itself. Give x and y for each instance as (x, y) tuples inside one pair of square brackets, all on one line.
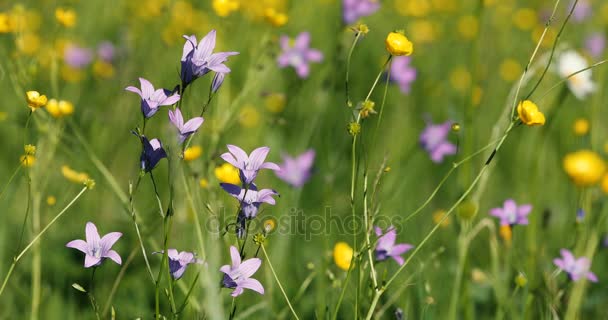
[(279, 283), (10, 179), (181, 308)]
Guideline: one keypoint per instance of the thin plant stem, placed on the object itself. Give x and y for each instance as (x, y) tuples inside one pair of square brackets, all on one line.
[(117, 281), (350, 54), (91, 296), (132, 192), (187, 298), (15, 172), (279, 282)]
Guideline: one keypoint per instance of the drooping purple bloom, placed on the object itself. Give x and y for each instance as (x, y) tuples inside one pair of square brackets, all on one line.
[(218, 80), (96, 249), (185, 129), (512, 214), (238, 275), (106, 51), (249, 165), (582, 11), (198, 58), (386, 247), (151, 154), (352, 10), (77, 57), (152, 99), (298, 54), (179, 261), (595, 44), (296, 170), (403, 73), (576, 268), (251, 199), (434, 140)]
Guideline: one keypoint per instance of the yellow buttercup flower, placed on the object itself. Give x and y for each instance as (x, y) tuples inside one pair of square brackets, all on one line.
[(27, 160), (29, 149), (510, 70), (7, 24), (192, 153), (525, 19), (275, 102), (584, 167), (74, 176), (66, 17), (224, 8), (59, 109), (102, 69), (581, 127), (277, 19), (27, 43), (468, 27), (529, 114), (367, 108), (35, 100), (343, 255), (398, 44), (228, 173)]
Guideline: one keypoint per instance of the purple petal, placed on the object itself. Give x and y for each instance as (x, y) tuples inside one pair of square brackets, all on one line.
[(91, 233), (443, 149), (270, 165), (559, 263), (108, 240), (170, 100), (192, 124), (80, 245), (232, 189), (401, 249), (249, 267), (176, 118), (235, 256), (147, 89), (302, 41), (399, 259), (113, 255), (188, 46), (497, 212), (568, 257), (257, 157), (314, 55), (228, 157), (90, 261), (378, 231), (237, 291), (252, 284), (172, 254), (240, 155), (303, 70), (591, 276), (205, 47), (524, 209), (225, 269), (134, 89), (265, 195)]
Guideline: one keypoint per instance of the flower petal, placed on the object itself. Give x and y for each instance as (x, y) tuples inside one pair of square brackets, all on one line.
[(113, 255), (249, 267), (147, 89), (235, 256), (91, 233), (90, 261), (192, 125), (239, 154), (252, 284), (257, 157), (108, 240), (79, 245)]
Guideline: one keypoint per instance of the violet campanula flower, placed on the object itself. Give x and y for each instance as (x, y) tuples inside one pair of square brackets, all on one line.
[(218, 80), (185, 129), (576, 268), (512, 214), (152, 99), (198, 58), (77, 57), (249, 165), (238, 275), (298, 54), (582, 11), (352, 10), (297, 170), (595, 45), (151, 154), (250, 199), (96, 249), (403, 73), (434, 140), (179, 261), (106, 51), (386, 247)]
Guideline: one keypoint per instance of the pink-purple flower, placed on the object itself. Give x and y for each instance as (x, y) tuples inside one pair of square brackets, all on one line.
[(77, 57), (251, 199), (352, 10), (298, 54), (96, 248), (512, 214), (386, 247), (237, 276), (582, 11), (576, 268), (296, 171), (179, 261), (198, 58), (151, 154), (106, 51), (152, 99), (434, 140), (403, 73), (184, 129), (249, 165), (595, 44)]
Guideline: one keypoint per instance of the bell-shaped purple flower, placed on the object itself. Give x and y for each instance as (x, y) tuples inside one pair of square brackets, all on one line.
[(512, 214), (298, 54), (238, 275), (151, 154), (434, 140), (218, 80), (249, 165), (198, 58), (576, 268), (352, 10), (297, 170), (179, 261), (185, 129), (403, 73), (386, 247), (152, 99), (96, 248), (250, 199)]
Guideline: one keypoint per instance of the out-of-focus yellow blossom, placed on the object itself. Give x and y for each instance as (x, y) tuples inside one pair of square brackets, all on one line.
[(3, 115), (277, 19), (51, 200), (353, 128), (476, 95), (367, 108), (604, 13), (445, 5), (424, 31), (343, 255), (204, 183), (59, 109), (467, 210), (605, 184), (478, 276), (27, 43), (505, 233), (227, 173), (414, 8), (74, 176), (185, 19), (29, 149), (148, 9), (27, 160), (529, 114), (521, 280), (584, 167), (581, 126), (35, 100), (489, 3), (275, 102), (192, 153), (24, 20), (256, 9), (525, 19), (70, 74), (438, 215), (6, 23), (398, 44), (66, 17), (249, 117), (510, 70), (460, 78), (224, 8), (549, 38), (468, 27), (103, 69), (361, 28)]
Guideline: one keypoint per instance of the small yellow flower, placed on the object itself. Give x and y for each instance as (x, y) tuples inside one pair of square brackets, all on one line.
[(438, 215), (27, 160), (35, 100), (29, 149), (581, 127), (343, 255), (584, 167), (275, 18), (415, 8), (478, 276), (249, 117), (269, 225), (361, 28), (228, 173), (398, 44), (51, 200), (353, 128), (102, 69), (460, 78), (505, 233), (223, 8), (204, 183), (74, 176), (66, 17), (192, 153), (525, 19), (529, 114), (468, 27), (521, 280), (60, 108), (367, 108), (275, 102), (27, 43), (510, 70), (7, 24)]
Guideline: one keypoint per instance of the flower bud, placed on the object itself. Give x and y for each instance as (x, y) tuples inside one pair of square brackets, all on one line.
[(529, 114), (521, 280), (354, 128), (398, 44), (218, 79), (467, 210)]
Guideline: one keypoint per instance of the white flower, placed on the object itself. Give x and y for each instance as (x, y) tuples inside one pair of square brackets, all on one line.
[(580, 84)]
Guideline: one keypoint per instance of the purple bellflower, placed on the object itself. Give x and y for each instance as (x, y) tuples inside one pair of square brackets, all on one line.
[(218, 80), (238, 275), (96, 249), (250, 199), (576, 268), (386, 247), (595, 45), (434, 140), (512, 214), (198, 58), (152, 99), (179, 261), (403, 73), (296, 171), (298, 54), (151, 154), (249, 165), (352, 10), (582, 11), (185, 129), (77, 57)]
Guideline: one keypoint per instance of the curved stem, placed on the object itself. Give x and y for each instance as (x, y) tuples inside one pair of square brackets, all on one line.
[(279, 283)]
